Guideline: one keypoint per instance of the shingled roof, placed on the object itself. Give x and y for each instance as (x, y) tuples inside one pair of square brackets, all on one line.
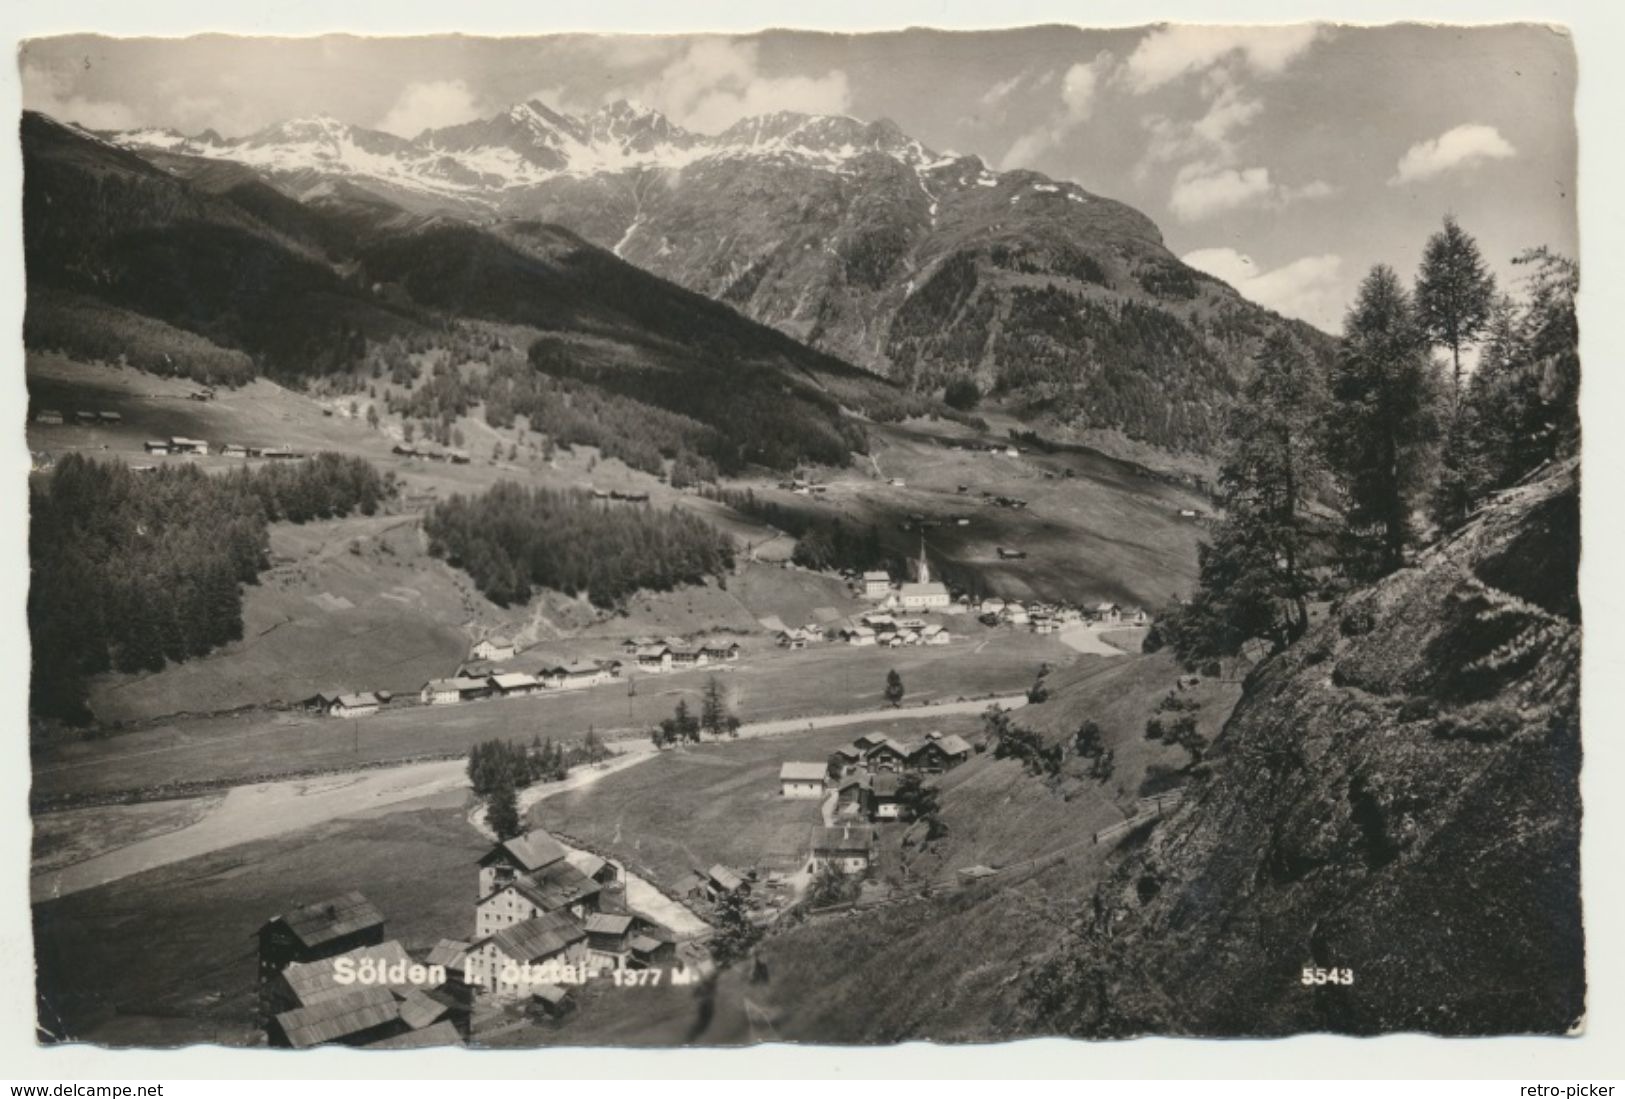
[(541, 937), (438, 1034), (313, 982), (556, 885), (797, 771), (324, 921), (532, 851), (339, 1017)]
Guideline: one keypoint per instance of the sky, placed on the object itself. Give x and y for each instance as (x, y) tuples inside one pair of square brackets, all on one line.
[(1287, 160)]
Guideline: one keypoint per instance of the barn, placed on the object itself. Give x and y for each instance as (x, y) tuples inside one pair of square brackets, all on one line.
[(802, 780)]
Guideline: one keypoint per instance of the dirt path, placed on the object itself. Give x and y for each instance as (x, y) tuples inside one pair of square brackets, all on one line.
[(1087, 639), (263, 810)]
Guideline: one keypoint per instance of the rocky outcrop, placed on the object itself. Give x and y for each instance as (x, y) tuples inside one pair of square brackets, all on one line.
[(1396, 798)]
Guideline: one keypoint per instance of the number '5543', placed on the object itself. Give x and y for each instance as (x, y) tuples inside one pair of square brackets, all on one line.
[(1317, 976)]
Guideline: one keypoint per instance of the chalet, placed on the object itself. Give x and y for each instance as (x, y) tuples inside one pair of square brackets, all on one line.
[(802, 780), (84, 417), (844, 846), (928, 757), (992, 606), (1016, 614), (556, 887), (654, 659), (845, 760), (956, 748), (1133, 616), (878, 619), (876, 585), (720, 651), (182, 445), (356, 705), (860, 636), (515, 684), (420, 1010), (792, 639), (448, 956), (1109, 613), (934, 635), (1045, 624), (631, 645), (280, 453), (359, 1017), (109, 417), (499, 964), (493, 648), (316, 931), (887, 755), (510, 859), (439, 692), (1189, 513), (234, 450), (609, 939), (156, 446), (48, 416), (687, 656), (884, 804), (852, 796)]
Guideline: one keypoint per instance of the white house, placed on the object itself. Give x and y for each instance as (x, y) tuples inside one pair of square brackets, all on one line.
[(540, 947), (440, 692), (493, 648), (356, 705), (876, 584), (654, 658), (802, 780), (860, 635)]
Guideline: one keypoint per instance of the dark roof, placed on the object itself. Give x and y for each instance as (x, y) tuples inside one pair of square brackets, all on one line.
[(840, 840), (549, 994), (442, 1033), (885, 785), (538, 938), (334, 918), (532, 851), (646, 944), (339, 1017), (557, 885), (855, 780), (955, 745), (724, 877)]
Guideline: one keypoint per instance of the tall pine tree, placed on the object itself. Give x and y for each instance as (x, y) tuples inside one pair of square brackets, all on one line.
[(1454, 294), (1382, 424)]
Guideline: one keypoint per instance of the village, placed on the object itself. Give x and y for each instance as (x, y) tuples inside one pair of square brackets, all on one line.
[(552, 923), (897, 618)]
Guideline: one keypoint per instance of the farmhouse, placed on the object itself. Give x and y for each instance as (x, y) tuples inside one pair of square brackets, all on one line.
[(654, 658), (156, 446), (509, 859), (182, 445), (1109, 613), (84, 417), (515, 684), (316, 931), (493, 648), (439, 692), (47, 416), (687, 656), (802, 780), (934, 635), (495, 960), (852, 796), (557, 887), (717, 651), (448, 956), (234, 450), (843, 846), (930, 757), (719, 882), (845, 760), (443, 1033), (792, 639), (356, 705), (887, 755), (649, 950), (599, 869), (1133, 616), (860, 635)]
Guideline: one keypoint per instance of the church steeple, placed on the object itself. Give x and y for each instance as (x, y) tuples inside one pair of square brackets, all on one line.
[(925, 566)]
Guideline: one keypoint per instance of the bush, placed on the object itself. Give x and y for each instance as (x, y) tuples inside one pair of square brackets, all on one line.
[(963, 394)]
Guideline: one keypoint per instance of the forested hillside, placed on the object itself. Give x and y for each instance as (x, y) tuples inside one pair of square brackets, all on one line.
[(131, 570), (222, 274)]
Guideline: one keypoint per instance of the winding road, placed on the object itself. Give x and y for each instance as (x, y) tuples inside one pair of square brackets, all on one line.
[(264, 810)]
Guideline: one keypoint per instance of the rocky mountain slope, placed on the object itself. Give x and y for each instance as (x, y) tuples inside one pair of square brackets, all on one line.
[(1396, 796), (850, 236)]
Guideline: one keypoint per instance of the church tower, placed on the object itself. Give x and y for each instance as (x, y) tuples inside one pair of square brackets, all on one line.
[(925, 566)]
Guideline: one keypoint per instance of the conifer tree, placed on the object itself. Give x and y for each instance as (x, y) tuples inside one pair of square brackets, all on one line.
[(1454, 294)]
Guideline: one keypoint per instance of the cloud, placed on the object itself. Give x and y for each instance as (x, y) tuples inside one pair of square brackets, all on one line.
[(1203, 189), (1080, 88), (1168, 53), (52, 93), (1462, 147), (715, 82), (1000, 91), (429, 106), (1307, 288)]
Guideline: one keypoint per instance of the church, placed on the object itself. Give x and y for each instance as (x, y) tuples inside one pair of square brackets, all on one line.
[(924, 594)]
